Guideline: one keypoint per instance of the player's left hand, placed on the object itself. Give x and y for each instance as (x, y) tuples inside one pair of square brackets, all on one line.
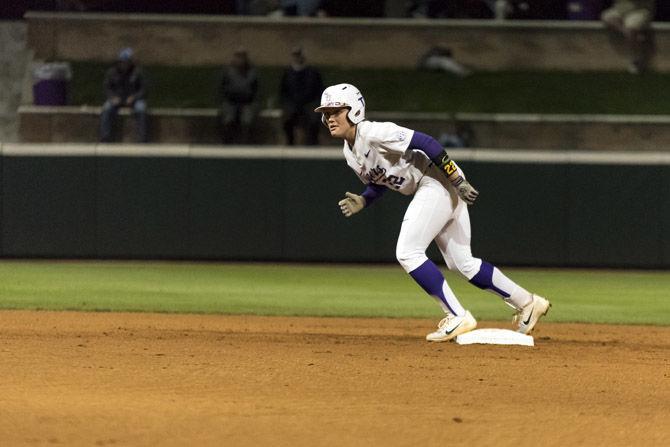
[(351, 204), (467, 192)]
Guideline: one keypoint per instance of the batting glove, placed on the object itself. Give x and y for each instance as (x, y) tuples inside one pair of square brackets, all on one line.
[(465, 190), (352, 204)]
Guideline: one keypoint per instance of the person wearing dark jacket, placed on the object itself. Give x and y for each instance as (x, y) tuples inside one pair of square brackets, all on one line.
[(630, 20), (124, 86), (239, 89), (300, 93)]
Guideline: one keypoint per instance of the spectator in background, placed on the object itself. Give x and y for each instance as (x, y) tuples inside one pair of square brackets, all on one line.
[(631, 19), (239, 90), (501, 8), (124, 86), (462, 136), (442, 59), (300, 93)]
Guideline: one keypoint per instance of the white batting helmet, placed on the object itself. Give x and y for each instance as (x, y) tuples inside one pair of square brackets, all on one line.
[(343, 95)]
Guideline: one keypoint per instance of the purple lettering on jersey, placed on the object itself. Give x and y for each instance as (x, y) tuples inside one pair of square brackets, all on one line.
[(378, 175), (373, 192), (395, 181), (426, 144)]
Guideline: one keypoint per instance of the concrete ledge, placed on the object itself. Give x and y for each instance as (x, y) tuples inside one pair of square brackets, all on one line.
[(484, 155), (81, 124), (591, 132), (520, 131), (194, 40)]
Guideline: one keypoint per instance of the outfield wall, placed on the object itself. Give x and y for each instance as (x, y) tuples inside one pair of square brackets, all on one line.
[(187, 202)]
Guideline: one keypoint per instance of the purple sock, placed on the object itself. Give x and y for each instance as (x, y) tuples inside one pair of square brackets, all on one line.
[(484, 279), (492, 279), (429, 277)]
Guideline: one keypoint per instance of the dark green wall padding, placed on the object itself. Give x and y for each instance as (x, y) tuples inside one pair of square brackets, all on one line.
[(286, 210)]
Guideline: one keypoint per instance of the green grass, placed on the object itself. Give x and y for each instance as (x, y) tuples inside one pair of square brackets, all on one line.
[(637, 297), (411, 90)]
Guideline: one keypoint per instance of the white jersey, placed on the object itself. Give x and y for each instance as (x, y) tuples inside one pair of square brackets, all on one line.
[(380, 155)]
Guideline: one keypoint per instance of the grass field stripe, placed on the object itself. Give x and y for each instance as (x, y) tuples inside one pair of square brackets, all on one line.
[(333, 290)]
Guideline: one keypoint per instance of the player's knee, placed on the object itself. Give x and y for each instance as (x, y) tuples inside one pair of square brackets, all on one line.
[(468, 266), (410, 259)]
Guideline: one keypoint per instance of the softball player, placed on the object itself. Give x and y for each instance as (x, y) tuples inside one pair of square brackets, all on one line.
[(387, 156)]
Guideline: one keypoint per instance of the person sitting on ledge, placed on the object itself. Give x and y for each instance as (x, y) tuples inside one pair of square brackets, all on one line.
[(124, 86)]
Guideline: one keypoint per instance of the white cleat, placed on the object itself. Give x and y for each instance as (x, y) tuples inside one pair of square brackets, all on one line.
[(528, 317), (452, 326)]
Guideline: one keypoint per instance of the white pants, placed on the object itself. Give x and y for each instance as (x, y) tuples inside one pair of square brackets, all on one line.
[(437, 213)]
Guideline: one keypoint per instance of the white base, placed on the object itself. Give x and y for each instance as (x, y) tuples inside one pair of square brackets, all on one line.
[(495, 337)]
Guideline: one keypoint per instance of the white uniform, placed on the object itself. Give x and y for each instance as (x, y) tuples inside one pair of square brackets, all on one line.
[(380, 156)]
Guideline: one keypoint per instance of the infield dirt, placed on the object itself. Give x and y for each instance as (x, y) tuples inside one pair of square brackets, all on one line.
[(174, 380)]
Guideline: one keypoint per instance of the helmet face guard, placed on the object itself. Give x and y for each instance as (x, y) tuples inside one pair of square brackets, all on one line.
[(343, 96)]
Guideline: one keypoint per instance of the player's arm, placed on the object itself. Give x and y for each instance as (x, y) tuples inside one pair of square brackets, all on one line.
[(439, 156), (353, 203)]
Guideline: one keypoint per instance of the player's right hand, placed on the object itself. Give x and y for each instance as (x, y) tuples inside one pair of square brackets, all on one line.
[(351, 204), (467, 192)]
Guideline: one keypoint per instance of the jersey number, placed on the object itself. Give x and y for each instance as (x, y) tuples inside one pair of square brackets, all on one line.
[(450, 168)]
